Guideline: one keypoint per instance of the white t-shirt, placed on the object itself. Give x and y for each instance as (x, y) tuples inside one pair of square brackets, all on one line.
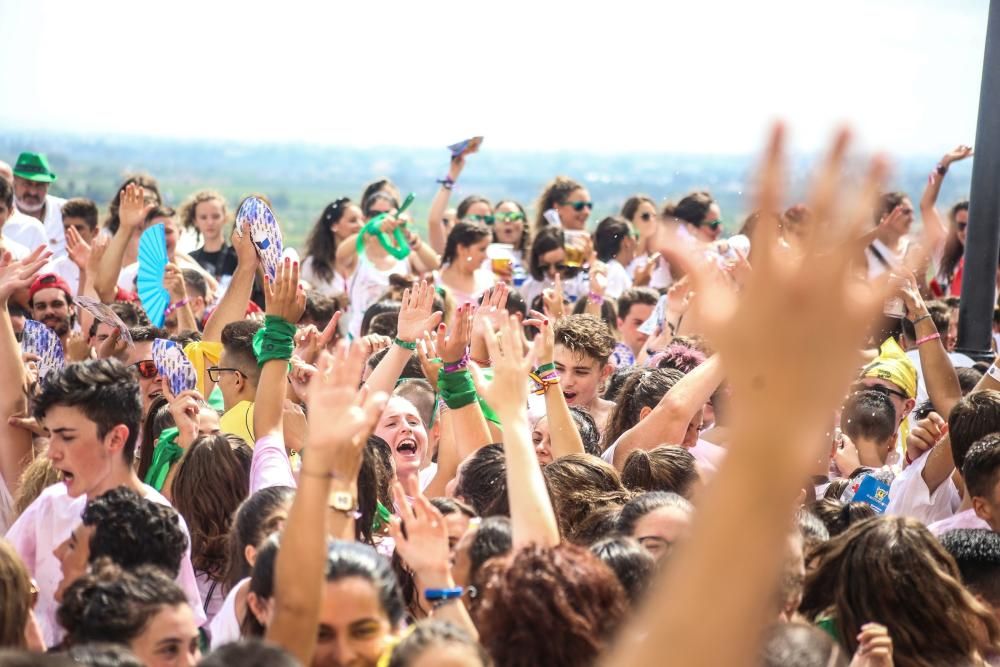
[(54, 232), (958, 360), (889, 259), (225, 627), (964, 519), (909, 495), (368, 284), (618, 280), (68, 271), (47, 523), (332, 287), (24, 229)]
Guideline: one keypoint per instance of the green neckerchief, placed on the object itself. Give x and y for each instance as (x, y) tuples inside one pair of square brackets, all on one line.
[(400, 249), (274, 340), (165, 454), (215, 400), (382, 516)]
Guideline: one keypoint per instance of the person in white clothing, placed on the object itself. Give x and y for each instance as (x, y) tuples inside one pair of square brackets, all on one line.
[(340, 219), (7, 213), (981, 472), (32, 178), (92, 410), (615, 243), (893, 220)]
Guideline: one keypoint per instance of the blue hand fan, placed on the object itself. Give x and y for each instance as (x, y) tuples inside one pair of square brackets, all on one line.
[(149, 280)]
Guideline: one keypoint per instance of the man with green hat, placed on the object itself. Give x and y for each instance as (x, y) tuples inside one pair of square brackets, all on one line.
[(32, 177)]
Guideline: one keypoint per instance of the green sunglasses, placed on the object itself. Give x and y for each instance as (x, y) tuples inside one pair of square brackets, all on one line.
[(485, 219), (580, 205), (715, 224), (512, 216)]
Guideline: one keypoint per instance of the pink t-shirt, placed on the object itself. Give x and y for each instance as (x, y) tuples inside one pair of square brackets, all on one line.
[(270, 465), (46, 524), (964, 519)]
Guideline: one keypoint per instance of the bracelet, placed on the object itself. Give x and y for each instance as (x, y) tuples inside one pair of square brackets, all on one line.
[(921, 319), (551, 366), (435, 594), (543, 382), (446, 183), (458, 365), (174, 306), (596, 298), (942, 169), (411, 346), (482, 363), (933, 336)]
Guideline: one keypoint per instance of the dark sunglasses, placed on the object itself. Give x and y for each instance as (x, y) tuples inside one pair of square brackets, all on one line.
[(485, 219), (564, 271), (580, 205), (214, 371), (146, 369), (882, 389), (962, 226), (715, 224)]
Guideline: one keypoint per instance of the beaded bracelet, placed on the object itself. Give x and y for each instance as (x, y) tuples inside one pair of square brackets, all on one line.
[(596, 298), (174, 306), (405, 344), (458, 365)]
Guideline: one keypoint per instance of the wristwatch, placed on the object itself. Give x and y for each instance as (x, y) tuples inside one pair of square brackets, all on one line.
[(343, 501)]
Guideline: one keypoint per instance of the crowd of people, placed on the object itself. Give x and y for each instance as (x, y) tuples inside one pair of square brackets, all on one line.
[(513, 436)]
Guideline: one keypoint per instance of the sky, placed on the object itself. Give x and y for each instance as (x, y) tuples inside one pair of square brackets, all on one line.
[(620, 76)]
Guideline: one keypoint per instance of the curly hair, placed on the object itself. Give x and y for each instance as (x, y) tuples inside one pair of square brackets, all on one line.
[(432, 635), (586, 335), (574, 605), (210, 484), (15, 597), (114, 605), (643, 389), (580, 484), (891, 570), (554, 194), (482, 482), (666, 468), (189, 209), (132, 531)]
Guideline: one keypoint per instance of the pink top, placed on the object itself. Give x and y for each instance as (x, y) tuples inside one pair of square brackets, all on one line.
[(964, 519), (270, 465), (47, 523)]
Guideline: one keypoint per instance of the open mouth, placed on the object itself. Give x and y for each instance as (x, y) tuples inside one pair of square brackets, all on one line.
[(570, 395), (407, 447), (67, 477)]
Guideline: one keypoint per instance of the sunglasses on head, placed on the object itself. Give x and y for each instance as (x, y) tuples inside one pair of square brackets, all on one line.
[(485, 219), (882, 389), (513, 216), (146, 369), (580, 205)]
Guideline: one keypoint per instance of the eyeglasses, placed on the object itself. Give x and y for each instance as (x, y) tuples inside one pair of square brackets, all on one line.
[(647, 216), (513, 216), (214, 371), (146, 369), (580, 205), (485, 219), (961, 226)]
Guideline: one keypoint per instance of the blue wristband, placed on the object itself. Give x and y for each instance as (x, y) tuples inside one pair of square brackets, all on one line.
[(434, 594)]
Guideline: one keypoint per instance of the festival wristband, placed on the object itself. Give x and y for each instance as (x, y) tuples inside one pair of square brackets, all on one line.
[(405, 344), (446, 183), (544, 368), (274, 340), (435, 594), (933, 336), (457, 389), (921, 319), (457, 365), (174, 306)]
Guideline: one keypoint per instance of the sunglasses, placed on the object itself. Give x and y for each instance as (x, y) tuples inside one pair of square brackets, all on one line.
[(146, 369), (485, 219), (962, 226), (513, 216), (882, 389), (214, 372), (715, 224), (580, 205)]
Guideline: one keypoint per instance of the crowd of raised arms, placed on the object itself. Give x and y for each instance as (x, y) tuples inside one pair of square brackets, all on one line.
[(525, 437)]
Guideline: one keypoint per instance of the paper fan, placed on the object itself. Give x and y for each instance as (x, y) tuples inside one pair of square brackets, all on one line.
[(149, 280), (264, 231), (465, 147), (173, 364), (40, 340), (102, 313)]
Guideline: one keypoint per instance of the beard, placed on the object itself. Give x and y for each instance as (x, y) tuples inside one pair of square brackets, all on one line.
[(59, 325), (29, 207)]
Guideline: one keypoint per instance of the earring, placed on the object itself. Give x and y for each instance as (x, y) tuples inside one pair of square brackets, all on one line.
[(468, 258)]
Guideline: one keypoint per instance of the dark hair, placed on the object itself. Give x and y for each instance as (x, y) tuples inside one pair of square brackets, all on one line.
[(522, 245), (981, 469), (630, 562), (378, 308), (431, 635), (482, 481), (574, 607), (800, 645), (632, 204), (249, 653), (105, 391), (145, 333), (110, 604), (887, 201), (411, 371), (555, 193), (128, 312), (421, 394), (463, 206), (237, 340), (383, 188), (261, 584), (320, 308), (102, 654), (968, 378), (158, 417), (132, 531), (814, 532), (586, 335), (644, 389), (494, 537), (7, 194), (321, 244), (453, 506), (953, 248), (463, 234), (252, 523), (194, 282), (694, 207), (974, 417), (545, 240), (579, 484), (609, 236), (209, 486), (80, 207), (587, 427), (609, 314), (667, 468), (868, 414), (641, 295), (838, 516), (617, 381), (892, 569), (148, 184), (645, 503), (516, 304), (977, 554)]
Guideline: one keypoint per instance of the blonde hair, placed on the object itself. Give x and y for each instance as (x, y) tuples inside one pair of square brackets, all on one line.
[(190, 207), (37, 476), (15, 598)]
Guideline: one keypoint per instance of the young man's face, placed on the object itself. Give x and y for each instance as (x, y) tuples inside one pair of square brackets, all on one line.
[(86, 461), (80, 225), (580, 376), (149, 387), (101, 334), (73, 555), (50, 306), (988, 508), (629, 326)]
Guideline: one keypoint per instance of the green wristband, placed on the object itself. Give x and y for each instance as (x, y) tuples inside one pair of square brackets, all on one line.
[(275, 340), (551, 366), (411, 346)]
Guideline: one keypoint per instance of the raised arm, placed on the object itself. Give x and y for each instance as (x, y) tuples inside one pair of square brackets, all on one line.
[(533, 520), (669, 420), (928, 211), (331, 463), (233, 305), (456, 387), (564, 436), (132, 214), (436, 230), (415, 317), (15, 443), (173, 281)]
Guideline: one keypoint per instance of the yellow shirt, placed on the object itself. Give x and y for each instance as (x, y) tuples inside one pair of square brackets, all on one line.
[(238, 420)]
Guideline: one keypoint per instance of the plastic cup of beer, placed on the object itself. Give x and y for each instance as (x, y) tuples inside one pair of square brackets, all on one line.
[(501, 256)]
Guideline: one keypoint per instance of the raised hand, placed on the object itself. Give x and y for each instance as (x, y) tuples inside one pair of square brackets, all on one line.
[(333, 393), (246, 251), (132, 207), (284, 296), (78, 249), (453, 345), (113, 347), (512, 361), (957, 155), (173, 280), (874, 647), (185, 408), (76, 348), (97, 250), (300, 376), (554, 301), (424, 546), (309, 340), (19, 274), (415, 314), (429, 359)]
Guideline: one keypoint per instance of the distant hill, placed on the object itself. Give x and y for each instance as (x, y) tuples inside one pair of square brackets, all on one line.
[(300, 180)]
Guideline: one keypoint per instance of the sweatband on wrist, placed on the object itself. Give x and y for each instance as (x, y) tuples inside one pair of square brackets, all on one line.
[(405, 344), (275, 340), (457, 389)]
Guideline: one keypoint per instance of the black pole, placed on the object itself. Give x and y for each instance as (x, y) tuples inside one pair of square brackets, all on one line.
[(982, 247)]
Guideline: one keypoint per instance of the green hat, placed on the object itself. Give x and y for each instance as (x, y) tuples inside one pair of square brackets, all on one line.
[(34, 167)]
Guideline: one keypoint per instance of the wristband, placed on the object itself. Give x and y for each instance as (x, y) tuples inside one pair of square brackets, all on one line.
[(921, 319), (446, 183), (435, 594), (543, 382), (457, 388), (942, 169), (551, 366), (933, 336), (458, 365), (405, 344), (596, 298), (482, 363), (274, 340), (174, 306)]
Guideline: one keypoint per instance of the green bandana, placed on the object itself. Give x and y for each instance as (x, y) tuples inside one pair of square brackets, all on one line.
[(400, 249), (165, 454), (274, 340)]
